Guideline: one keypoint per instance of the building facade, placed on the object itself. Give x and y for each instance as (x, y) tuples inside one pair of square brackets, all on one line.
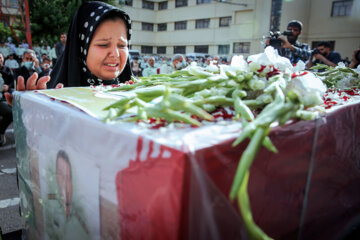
[(232, 27), (9, 10)]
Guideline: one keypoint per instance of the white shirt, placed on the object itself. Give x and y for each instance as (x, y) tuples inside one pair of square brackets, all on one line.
[(11, 63), (149, 71)]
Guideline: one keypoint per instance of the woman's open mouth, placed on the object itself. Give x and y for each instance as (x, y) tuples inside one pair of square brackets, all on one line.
[(111, 66)]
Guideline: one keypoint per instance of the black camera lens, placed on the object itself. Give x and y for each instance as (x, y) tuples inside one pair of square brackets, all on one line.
[(287, 33), (315, 51)]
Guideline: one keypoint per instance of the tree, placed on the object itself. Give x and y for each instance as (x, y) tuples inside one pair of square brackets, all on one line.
[(50, 18), (5, 32)]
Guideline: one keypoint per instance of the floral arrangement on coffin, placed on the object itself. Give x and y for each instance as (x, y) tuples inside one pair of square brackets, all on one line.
[(262, 91), (343, 84)]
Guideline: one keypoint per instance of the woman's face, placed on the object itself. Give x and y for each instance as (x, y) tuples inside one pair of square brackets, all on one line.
[(108, 51)]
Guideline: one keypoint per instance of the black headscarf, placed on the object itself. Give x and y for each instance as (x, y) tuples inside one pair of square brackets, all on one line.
[(70, 68)]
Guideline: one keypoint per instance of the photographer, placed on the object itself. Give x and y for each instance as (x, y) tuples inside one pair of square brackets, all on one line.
[(291, 48), (324, 55), (355, 59)]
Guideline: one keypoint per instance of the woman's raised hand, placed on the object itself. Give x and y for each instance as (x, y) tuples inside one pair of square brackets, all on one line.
[(32, 84)]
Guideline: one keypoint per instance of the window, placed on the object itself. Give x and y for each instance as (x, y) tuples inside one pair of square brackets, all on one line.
[(341, 8), (201, 49), (163, 5), (275, 15), (147, 26), (181, 3), (224, 49), (179, 49), (181, 25), (13, 3), (224, 21), (202, 23), (241, 47), (162, 27), (147, 49), (161, 50), (202, 1), (126, 2), (147, 4)]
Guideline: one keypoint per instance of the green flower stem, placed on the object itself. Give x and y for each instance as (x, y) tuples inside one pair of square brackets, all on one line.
[(178, 102), (267, 143), (242, 110), (244, 204), (120, 103), (246, 160), (150, 92), (216, 100)]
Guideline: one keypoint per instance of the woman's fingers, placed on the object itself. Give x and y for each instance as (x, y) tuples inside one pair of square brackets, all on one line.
[(31, 82), (9, 98), (59, 85), (41, 84), (20, 86)]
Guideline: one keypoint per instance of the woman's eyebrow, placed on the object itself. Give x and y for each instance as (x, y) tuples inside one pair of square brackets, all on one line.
[(102, 39)]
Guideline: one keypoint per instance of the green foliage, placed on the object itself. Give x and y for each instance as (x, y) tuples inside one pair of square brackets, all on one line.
[(5, 32), (50, 18)]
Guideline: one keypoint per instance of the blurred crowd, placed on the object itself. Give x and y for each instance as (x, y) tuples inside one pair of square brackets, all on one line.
[(152, 65)]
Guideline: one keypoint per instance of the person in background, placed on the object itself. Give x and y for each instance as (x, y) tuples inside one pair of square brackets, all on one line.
[(135, 67), (176, 64), (24, 44), (29, 65), (5, 50), (216, 60), (6, 73), (20, 51), (188, 61), (45, 49), (37, 48), (11, 45), (11, 63), (60, 46), (144, 62), (52, 55), (151, 69), (43, 56), (5, 112), (355, 60), (45, 67), (291, 48), (324, 55), (208, 61), (224, 61)]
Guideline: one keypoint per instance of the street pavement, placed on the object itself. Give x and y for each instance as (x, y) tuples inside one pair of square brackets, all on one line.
[(10, 219)]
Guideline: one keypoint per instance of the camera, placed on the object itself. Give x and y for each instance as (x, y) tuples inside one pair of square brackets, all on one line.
[(275, 42), (315, 51)]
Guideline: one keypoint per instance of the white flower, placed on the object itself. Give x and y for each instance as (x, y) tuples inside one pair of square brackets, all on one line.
[(212, 67), (300, 66), (341, 65), (308, 88), (257, 84), (271, 57), (239, 64)]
